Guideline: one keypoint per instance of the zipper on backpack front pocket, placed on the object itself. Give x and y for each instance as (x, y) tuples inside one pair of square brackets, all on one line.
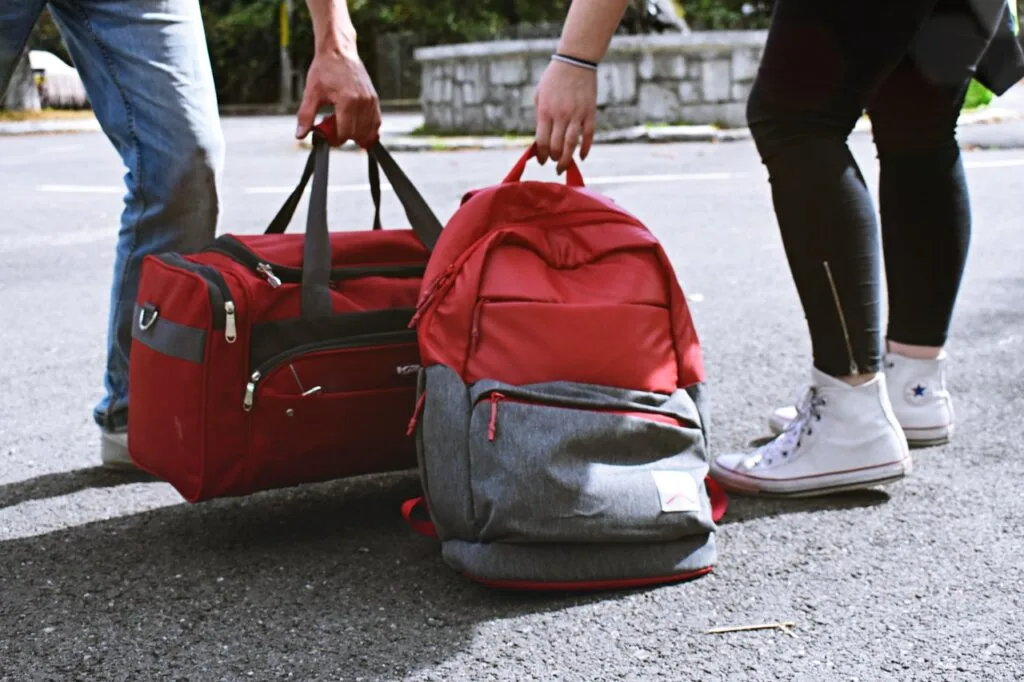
[(221, 302), (496, 397), (386, 338)]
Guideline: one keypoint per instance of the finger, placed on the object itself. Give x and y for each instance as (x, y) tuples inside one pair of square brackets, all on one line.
[(346, 114), (307, 112), (588, 137), (558, 138), (572, 139), (368, 127), (373, 134), (543, 138)]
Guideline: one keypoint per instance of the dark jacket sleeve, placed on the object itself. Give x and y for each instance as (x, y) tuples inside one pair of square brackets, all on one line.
[(975, 39), (1002, 65)]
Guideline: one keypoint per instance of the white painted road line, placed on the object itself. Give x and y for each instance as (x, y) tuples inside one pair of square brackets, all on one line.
[(330, 188), (81, 189), (44, 151), (606, 180), (672, 177), (610, 180), (994, 163)]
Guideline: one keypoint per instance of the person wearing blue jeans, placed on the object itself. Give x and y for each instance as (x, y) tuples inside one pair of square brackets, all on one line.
[(146, 70)]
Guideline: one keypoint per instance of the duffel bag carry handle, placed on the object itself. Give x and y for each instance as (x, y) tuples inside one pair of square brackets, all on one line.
[(287, 211), (316, 267), (421, 218)]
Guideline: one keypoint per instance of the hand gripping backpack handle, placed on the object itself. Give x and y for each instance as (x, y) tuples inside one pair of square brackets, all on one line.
[(316, 269), (573, 177)]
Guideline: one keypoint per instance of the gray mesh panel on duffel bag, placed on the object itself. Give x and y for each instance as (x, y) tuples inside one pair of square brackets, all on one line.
[(513, 473)]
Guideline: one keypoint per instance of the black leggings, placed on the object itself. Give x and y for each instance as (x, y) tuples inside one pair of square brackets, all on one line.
[(825, 63)]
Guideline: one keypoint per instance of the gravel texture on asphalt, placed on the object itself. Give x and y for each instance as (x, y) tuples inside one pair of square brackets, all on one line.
[(113, 577)]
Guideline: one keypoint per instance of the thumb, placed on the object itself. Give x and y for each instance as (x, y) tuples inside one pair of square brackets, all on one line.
[(307, 113)]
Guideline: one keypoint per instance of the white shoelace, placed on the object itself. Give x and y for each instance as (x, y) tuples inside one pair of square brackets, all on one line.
[(808, 412)]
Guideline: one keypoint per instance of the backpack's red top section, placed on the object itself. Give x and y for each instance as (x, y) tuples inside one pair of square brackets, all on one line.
[(539, 281)]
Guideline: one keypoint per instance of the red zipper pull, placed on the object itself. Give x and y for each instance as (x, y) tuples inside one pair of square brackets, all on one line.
[(492, 427), (416, 413), (428, 299)]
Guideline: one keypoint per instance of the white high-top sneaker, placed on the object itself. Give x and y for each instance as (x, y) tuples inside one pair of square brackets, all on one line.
[(842, 438), (920, 400)]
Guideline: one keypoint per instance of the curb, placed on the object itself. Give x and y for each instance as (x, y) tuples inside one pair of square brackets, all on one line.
[(636, 135), (633, 135)]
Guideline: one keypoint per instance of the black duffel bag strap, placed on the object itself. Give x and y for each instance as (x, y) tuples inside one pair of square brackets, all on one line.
[(316, 250), (316, 254), (374, 172), (284, 216), (422, 220)]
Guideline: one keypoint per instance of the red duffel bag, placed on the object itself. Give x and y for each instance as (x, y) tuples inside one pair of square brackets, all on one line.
[(267, 361)]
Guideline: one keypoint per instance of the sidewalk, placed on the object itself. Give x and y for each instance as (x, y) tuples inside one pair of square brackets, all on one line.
[(400, 138), (398, 130)]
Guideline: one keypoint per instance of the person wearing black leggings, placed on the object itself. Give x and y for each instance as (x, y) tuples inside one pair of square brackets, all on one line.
[(908, 64)]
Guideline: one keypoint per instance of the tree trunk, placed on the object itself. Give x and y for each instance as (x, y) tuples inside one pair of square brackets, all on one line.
[(22, 94)]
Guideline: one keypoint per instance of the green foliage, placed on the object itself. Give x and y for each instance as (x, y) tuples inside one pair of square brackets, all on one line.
[(709, 15), (47, 37), (977, 96), (243, 35), (243, 49)]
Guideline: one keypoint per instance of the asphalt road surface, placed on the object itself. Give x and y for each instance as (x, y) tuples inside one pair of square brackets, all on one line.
[(106, 577)]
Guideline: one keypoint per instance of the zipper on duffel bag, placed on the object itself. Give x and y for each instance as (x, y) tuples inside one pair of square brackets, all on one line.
[(378, 339), (221, 302), (276, 274)]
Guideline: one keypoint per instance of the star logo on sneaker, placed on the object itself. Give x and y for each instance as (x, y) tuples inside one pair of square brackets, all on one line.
[(919, 391)]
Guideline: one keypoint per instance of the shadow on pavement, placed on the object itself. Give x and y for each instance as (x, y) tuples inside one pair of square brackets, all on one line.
[(66, 483), (318, 582), (742, 509)]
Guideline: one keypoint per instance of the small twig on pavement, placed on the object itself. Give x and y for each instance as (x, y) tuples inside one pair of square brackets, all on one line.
[(785, 626)]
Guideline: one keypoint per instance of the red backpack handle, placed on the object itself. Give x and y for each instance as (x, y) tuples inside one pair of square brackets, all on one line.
[(573, 177)]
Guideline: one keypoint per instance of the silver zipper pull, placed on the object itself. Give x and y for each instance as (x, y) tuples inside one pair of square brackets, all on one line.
[(230, 331), (268, 274), (250, 392)]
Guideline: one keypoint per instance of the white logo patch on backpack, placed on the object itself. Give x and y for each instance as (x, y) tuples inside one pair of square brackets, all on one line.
[(677, 490)]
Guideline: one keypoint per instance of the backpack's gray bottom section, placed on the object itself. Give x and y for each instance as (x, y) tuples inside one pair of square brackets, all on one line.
[(565, 482), (569, 563)]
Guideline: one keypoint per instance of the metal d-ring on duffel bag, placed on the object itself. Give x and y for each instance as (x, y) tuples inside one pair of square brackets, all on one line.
[(267, 361)]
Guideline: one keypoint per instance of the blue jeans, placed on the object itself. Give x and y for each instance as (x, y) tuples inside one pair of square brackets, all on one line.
[(146, 69)]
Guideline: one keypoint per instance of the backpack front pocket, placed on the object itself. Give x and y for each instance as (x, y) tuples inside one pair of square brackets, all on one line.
[(574, 463)]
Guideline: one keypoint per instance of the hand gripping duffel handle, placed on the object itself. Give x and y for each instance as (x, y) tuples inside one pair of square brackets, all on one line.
[(316, 296)]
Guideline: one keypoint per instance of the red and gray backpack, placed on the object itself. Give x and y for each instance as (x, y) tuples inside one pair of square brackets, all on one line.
[(560, 429)]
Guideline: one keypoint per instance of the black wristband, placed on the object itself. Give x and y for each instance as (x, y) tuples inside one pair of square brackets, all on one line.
[(574, 61)]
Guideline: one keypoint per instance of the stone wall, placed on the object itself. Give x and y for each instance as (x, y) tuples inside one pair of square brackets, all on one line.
[(698, 78)]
